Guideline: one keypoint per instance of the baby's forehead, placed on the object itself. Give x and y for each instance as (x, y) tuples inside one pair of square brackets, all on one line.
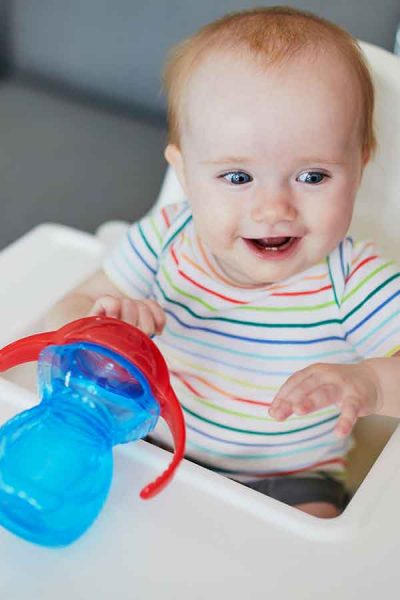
[(232, 80), (239, 94), (218, 64)]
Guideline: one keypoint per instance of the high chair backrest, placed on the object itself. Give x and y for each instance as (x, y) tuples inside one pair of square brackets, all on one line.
[(377, 212)]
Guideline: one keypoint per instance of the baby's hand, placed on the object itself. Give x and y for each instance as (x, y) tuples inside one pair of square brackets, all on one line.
[(146, 315), (353, 388)]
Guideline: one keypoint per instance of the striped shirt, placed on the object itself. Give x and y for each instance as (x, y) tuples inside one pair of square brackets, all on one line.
[(229, 349)]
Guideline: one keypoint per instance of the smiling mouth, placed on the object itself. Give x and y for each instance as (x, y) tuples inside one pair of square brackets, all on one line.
[(273, 248), (275, 244), (272, 244)]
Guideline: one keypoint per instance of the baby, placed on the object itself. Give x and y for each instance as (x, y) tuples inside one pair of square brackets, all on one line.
[(279, 331)]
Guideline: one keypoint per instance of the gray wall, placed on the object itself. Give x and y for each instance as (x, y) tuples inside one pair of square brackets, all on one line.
[(116, 48), (5, 23), (72, 162)]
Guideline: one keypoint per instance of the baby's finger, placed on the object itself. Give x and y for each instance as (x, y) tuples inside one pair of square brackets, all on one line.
[(158, 315), (310, 376), (299, 390), (348, 418), (130, 311), (281, 411), (308, 390), (106, 306), (322, 396), (146, 321)]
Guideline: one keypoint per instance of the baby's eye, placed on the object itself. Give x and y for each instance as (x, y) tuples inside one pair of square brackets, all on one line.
[(237, 177), (313, 177)]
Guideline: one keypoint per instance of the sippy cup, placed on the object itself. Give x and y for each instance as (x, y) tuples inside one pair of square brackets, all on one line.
[(102, 382)]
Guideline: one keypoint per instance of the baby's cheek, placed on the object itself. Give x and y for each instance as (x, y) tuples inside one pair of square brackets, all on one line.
[(332, 217), (225, 228), (216, 223), (218, 234), (339, 223)]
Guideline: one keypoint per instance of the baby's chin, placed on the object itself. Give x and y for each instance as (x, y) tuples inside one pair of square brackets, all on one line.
[(254, 270), (259, 277)]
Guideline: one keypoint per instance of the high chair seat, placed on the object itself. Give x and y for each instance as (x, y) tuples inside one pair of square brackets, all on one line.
[(376, 217)]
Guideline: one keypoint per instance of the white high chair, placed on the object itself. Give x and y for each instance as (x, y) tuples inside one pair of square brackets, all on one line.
[(206, 536), (376, 217)]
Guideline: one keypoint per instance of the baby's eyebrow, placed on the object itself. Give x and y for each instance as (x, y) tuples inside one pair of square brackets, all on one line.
[(227, 159), (327, 161), (244, 160)]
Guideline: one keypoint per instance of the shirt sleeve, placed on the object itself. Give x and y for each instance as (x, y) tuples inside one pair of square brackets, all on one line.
[(371, 303), (133, 263)]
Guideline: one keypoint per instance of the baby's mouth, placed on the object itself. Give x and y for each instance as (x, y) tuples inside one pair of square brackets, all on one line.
[(272, 247), (275, 244)]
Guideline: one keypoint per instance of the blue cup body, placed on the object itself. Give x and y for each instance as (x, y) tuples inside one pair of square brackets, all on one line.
[(56, 462)]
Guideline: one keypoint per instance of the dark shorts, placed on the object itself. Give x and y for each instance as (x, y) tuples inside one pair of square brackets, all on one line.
[(319, 487), (298, 490)]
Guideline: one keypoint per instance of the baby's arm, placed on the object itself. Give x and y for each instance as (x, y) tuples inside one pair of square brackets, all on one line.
[(368, 387), (387, 372), (99, 296)]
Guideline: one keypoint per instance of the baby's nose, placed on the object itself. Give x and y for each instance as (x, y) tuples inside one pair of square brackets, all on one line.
[(272, 209)]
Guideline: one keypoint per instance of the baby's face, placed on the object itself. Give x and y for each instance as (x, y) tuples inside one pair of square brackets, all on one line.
[(270, 161)]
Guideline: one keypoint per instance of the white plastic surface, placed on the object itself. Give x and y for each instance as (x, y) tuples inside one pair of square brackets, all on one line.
[(204, 536), (38, 269)]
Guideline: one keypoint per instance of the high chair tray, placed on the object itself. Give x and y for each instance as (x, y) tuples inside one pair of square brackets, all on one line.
[(204, 536)]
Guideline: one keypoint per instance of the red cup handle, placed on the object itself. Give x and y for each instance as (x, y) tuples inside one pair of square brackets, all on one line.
[(89, 329), (171, 412)]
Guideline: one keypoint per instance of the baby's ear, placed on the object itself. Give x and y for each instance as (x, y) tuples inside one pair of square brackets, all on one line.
[(174, 158)]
